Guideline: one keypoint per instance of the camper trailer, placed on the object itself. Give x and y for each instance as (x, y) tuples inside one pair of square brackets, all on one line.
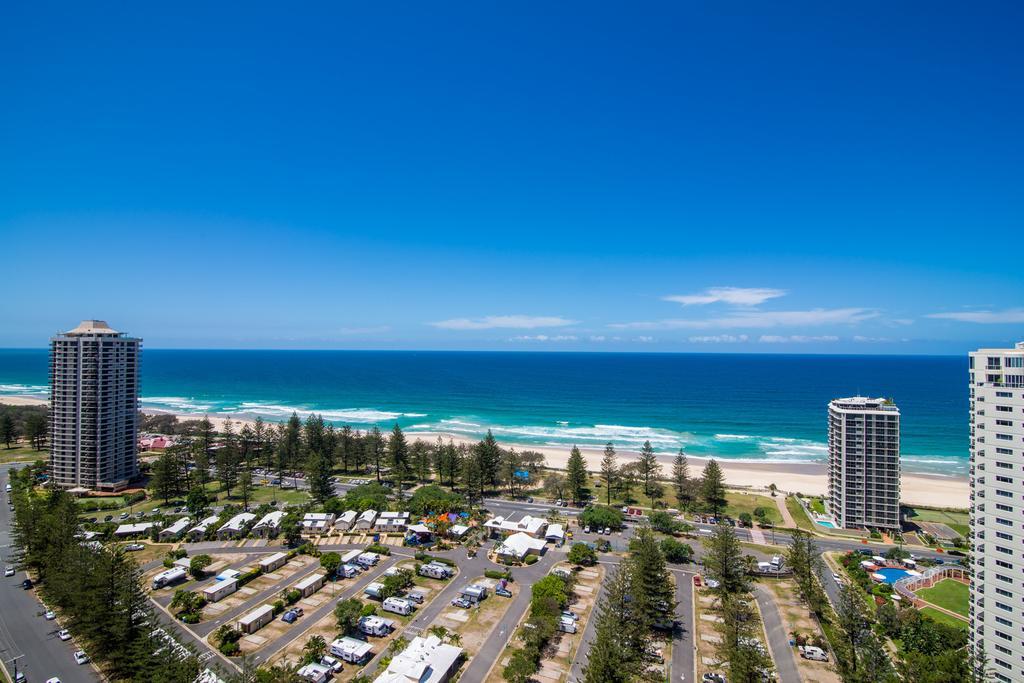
[(373, 590), (351, 649), (166, 578), (376, 626), (436, 570), (368, 559), (398, 606)]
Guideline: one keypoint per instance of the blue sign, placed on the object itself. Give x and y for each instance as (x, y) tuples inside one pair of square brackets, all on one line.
[(522, 474)]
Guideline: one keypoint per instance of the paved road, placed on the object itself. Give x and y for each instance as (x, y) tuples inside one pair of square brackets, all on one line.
[(778, 641), (682, 640), (23, 631)]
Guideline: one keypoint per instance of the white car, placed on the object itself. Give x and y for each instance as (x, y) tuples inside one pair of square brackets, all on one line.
[(332, 663), (64, 634), (81, 657), (50, 615), (134, 546), (9, 571), (607, 531), (53, 680), (586, 529), (835, 577)]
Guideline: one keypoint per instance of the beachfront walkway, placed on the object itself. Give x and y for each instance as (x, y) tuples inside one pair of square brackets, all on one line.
[(787, 519)]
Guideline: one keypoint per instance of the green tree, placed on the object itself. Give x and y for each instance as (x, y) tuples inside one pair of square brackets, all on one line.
[(398, 456), (804, 557), (723, 559), (712, 488), (521, 666), (652, 586), (676, 552), (649, 469), (739, 630), (582, 554), (163, 477), (374, 447), (314, 649), (36, 429), (489, 454), (616, 653), (227, 459), (419, 459), (609, 471), (555, 485), (472, 477), (8, 430), (197, 566), (330, 562), (681, 480), (197, 501), (318, 475), (245, 487), (850, 619), (347, 613), (576, 476)]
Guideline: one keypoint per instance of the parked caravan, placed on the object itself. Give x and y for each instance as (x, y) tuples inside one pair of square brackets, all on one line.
[(351, 649), (376, 626), (368, 559), (166, 578), (374, 590), (350, 556), (398, 606), (256, 619), (349, 570), (219, 590), (272, 563), (474, 592), (436, 570)]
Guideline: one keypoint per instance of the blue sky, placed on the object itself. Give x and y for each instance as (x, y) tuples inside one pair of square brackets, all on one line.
[(585, 176)]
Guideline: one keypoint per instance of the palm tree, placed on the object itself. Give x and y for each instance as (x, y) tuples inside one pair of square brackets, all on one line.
[(314, 649)]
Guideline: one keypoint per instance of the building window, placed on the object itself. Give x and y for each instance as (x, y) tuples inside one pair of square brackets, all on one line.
[(1015, 362), (1004, 508), (1004, 451), (1004, 423), (1004, 480)]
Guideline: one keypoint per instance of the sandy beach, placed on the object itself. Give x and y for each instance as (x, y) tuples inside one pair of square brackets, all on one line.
[(807, 478)]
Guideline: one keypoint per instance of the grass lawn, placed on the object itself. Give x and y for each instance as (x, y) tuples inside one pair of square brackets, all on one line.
[(818, 506), (948, 594), (258, 496), (22, 454), (799, 516), (748, 502), (957, 520), (943, 618)]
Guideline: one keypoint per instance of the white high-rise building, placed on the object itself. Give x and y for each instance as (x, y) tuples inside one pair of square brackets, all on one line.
[(997, 508), (864, 463), (94, 404)]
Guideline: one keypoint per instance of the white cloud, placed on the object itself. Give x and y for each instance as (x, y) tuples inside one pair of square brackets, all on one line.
[(720, 339), (643, 340), (1010, 315), (795, 339), (874, 340), (759, 319), (544, 337), (734, 296), (490, 322), (597, 337)]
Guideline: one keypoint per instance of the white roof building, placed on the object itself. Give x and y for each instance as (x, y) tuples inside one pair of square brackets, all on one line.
[(270, 522), (176, 529), (527, 525), (346, 520), (555, 533), (425, 660), (520, 545), (237, 523), (458, 530), (132, 529), (317, 521), (203, 526), (365, 520)]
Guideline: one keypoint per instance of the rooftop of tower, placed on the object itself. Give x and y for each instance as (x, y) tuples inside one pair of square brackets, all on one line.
[(93, 327)]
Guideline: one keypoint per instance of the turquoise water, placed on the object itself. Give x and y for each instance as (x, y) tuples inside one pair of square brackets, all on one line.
[(891, 574), (827, 525), (764, 408)]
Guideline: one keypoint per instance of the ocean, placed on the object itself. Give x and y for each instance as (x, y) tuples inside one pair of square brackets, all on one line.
[(760, 408)]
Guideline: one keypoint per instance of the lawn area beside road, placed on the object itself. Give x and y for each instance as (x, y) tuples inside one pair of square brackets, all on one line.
[(957, 520), (22, 454), (799, 516), (739, 503), (948, 594)]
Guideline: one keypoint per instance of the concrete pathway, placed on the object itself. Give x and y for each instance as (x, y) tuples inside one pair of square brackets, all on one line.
[(787, 519), (778, 640)]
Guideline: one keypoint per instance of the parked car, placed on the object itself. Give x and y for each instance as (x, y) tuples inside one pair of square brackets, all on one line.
[(570, 615), (607, 531), (132, 547), (50, 615), (124, 515), (586, 529), (835, 577), (331, 663), (26, 584), (712, 678), (462, 602), (289, 617), (108, 518), (9, 571), (64, 634), (50, 680), (81, 657), (155, 511), (812, 652), (503, 592)]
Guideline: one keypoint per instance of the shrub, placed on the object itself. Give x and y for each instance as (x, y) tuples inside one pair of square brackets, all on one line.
[(531, 559), (247, 577), (664, 522), (368, 611), (676, 552), (495, 574), (292, 596), (229, 648), (278, 607), (378, 548)]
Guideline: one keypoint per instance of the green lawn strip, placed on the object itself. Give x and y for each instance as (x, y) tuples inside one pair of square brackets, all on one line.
[(943, 618), (948, 594), (22, 454), (748, 502), (799, 516), (818, 506)]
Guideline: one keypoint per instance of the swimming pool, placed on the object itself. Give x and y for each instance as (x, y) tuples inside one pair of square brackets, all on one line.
[(827, 525), (892, 574)]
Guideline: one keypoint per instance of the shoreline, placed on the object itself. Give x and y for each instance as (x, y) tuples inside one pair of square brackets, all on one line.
[(808, 478)]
